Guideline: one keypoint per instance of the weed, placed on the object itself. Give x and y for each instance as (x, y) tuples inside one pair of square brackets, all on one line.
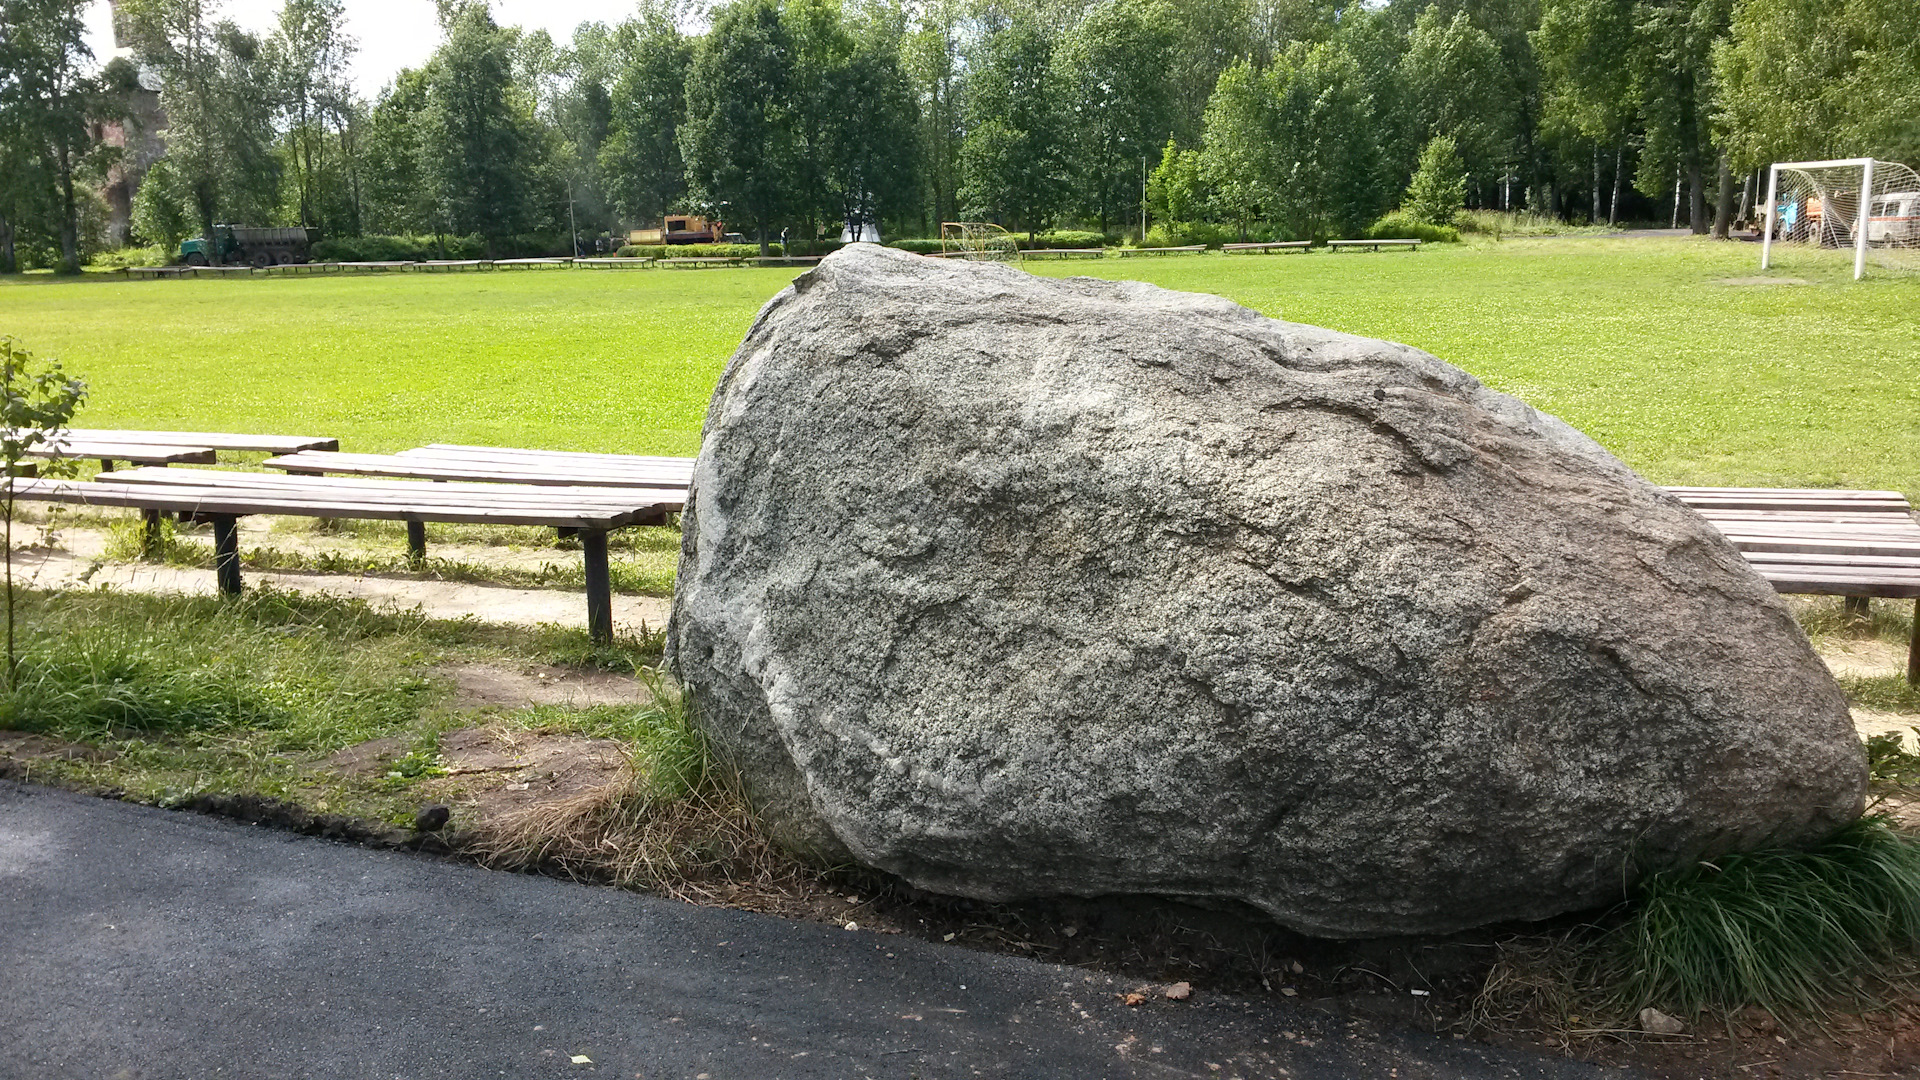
[(674, 821)]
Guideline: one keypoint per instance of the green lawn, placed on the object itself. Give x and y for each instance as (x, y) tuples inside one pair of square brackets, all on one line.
[(1641, 343)]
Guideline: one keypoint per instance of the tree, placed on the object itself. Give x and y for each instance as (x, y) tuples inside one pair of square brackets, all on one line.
[(476, 143), (931, 56), (1799, 80), (873, 152), (51, 103), (1013, 159), (311, 54), (1239, 158), (1672, 65), (1118, 102), (736, 141), (1456, 87), (640, 159), (217, 93), (1439, 186), (1588, 90), (395, 198)]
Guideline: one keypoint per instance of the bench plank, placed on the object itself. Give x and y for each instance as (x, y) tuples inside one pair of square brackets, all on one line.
[(401, 492), (66, 447), (563, 475), (219, 440)]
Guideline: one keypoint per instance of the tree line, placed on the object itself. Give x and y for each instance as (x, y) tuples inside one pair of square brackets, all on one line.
[(1282, 118)]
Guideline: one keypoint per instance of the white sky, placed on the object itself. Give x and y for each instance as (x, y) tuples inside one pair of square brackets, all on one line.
[(393, 34)]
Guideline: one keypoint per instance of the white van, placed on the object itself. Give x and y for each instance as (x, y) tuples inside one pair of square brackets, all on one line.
[(1895, 219)]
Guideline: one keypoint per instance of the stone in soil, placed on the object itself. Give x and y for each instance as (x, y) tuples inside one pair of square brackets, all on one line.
[(1019, 587)]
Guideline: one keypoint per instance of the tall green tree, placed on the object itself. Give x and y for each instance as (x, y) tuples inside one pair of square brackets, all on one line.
[(312, 56), (640, 158), (737, 142), (1013, 160), (1672, 65), (477, 144), (1457, 86), (873, 153), (1118, 102), (49, 103), (218, 93), (932, 58), (395, 198), (1799, 80), (1588, 90)]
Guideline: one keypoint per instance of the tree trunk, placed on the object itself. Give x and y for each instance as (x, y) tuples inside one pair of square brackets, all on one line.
[(69, 225), (1696, 199), (7, 263), (1613, 208), (1594, 218), (1723, 207)]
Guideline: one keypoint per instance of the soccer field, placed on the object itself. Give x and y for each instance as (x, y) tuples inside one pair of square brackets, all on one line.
[(1676, 354)]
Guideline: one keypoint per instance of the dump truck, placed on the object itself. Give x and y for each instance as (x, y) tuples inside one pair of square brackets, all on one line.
[(254, 247), (681, 229)]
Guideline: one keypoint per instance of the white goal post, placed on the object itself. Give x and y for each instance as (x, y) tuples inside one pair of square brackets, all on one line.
[(1847, 202)]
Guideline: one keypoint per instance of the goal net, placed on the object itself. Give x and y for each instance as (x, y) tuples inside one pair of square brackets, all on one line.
[(1858, 204), (976, 240)]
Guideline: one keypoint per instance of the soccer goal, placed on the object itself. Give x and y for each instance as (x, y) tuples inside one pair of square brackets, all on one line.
[(1854, 203), (977, 240)]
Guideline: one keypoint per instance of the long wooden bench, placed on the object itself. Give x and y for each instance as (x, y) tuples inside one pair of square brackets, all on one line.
[(1854, 544), (107, 451), (1185, 249), (614, 263), (217, 440), (530, 264), (1064, 253), (497, 465), (1373, 245), (222, 498), (1264, 249)]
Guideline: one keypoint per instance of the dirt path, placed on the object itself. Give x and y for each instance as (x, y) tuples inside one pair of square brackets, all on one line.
[(65, 569)]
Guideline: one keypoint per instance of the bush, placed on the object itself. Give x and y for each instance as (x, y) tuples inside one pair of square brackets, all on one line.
[(1498, 223), (1783, 929), (1401, 225), (1187, 233), (696, 251), (1070, 238), (920, 247), (119, 258)]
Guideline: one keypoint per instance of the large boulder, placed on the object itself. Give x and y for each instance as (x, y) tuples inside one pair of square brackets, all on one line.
[(1016, 587)]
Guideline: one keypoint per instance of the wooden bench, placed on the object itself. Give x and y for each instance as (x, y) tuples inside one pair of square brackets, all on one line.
[(485, 464), (1065, 253), (1189, 249), (377, 267), (695, 262), (613, 264), (786, 260), (217, 440), (530, 264), (1373, 245), (222, 498), (1854, 544), (67, 447), (1263, 249), (154, 272)]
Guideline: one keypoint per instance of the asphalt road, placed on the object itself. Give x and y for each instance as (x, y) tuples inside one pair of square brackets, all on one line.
[(138, 944)]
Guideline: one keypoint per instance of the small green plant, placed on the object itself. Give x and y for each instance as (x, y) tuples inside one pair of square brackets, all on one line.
[(1890, 762), (38, 401), (1792, 931), (1439, 186)]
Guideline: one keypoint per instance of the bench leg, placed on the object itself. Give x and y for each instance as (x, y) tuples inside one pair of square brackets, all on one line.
[(226, 554), (1856, 607), (1913, 649), (416, 542), (593, 548), (151, 543)]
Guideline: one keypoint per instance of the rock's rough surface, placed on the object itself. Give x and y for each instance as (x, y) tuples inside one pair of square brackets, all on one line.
[(1013, 587)]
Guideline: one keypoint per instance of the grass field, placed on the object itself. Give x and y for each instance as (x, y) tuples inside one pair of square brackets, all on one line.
[(1666, 351)]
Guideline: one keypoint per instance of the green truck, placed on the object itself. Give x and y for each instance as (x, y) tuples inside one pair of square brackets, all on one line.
[(254, 247)]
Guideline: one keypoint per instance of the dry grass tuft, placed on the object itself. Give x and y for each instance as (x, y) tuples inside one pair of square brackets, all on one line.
[(673, 822)]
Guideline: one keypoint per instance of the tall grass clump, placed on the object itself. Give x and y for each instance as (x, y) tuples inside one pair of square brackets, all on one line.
[(674, 821), (1791, 931)]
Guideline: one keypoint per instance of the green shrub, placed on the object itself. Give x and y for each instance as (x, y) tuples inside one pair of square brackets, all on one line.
[(1187, 233), (403, 248), (1498, 224), (696, 251), (1401, 225), (919, 247), (1439, 187), (1787, 930), (119, 258), (1070, 238)]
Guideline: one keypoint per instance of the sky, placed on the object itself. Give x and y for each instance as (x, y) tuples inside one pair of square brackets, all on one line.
[(393, 34)]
